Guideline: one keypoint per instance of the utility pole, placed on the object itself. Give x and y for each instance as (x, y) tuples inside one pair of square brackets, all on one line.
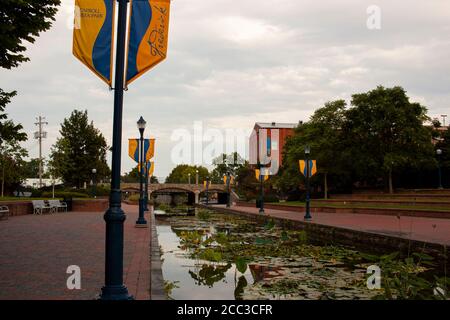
[(40, 135)]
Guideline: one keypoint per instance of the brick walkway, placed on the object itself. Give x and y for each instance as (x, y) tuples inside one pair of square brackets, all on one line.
[(35, 252), (416, 228)]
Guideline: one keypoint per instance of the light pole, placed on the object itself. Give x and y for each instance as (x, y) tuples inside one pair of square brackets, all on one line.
[(261, 200), (94, 183), (207, 190), (308, 173), (196, 176), (189, 178), (439, 153), (141, 222), (228, 188), (146, 185), (114, 288)]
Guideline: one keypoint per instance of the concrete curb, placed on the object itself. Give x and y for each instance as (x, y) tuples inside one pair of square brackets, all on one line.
[(157, 291)]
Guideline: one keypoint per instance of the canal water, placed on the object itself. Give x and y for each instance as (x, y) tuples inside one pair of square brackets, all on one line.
[(219, 256)]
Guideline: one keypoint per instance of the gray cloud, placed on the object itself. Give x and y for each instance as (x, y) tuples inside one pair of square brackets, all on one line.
[(233, 63)]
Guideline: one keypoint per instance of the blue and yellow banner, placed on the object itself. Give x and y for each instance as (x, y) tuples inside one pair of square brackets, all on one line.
[(133, 149), (258, 175), (312, 167), (148, 36), (93, 36)]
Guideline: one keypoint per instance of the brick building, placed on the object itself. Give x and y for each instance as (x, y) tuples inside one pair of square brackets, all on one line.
[(269, 138)]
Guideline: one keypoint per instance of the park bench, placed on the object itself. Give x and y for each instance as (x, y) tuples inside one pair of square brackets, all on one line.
[(4, 212), (39, 206), (56, 205)]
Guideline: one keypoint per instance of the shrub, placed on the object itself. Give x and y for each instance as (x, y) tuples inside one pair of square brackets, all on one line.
[(64, 194)]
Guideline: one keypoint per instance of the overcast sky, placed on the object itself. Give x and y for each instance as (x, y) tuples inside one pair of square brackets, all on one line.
[(232, 63)]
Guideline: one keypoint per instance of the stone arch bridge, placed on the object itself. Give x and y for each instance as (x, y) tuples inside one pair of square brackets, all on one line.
[(193, 190)]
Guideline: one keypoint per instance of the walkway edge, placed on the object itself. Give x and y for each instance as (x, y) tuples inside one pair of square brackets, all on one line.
[(157, 291)]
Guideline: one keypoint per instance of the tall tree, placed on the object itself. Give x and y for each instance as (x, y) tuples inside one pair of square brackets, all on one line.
[(386, 132), (180, 174), (80, 149), (22, 21), (11, 161), (226, 163), (134, 176)]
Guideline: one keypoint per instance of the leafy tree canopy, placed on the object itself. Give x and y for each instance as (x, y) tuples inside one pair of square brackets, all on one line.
[(22, 21), (180, 174), (80, 149)]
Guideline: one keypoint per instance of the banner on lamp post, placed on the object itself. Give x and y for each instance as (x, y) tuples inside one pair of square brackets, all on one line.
[(93, 36), (147, 36)]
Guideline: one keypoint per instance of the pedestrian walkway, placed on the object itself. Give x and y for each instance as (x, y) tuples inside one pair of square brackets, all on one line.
[(35, 252), (432, 230)]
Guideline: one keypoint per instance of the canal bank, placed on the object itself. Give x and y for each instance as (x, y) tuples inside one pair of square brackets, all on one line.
[(377, 234)]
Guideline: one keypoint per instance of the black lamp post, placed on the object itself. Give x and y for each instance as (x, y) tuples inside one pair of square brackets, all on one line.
[(94, 183), (261, 199), (141, 222), (207, 190), (308, 173), (146, 185), (439, 153), (228, 189), (114, 288)]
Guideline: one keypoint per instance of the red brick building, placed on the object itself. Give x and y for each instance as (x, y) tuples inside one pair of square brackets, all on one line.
[(269, 138)]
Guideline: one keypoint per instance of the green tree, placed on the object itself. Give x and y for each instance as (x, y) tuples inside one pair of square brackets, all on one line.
[(385, 132), (226, 163), (80, 149), (22, 21), (12, 153), (323, 133), (180, 174), (31, 168), (133, 176), (11, 161)]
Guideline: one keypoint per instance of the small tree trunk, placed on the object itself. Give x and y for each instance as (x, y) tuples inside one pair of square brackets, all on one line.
[(326, 185), (391, 188)]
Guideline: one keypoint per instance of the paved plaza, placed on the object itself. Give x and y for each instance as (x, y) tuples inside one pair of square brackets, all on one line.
[(35, 252)]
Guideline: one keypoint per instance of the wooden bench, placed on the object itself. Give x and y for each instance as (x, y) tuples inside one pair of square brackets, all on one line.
[(4, 212)]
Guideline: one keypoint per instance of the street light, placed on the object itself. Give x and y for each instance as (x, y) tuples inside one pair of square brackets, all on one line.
[(189, 178), (114, 288), (196, 176), (308, 173), (439, 153), (94, 183), (228, 188), (207, 190), (141, 222), (146, 187), (261, 200)]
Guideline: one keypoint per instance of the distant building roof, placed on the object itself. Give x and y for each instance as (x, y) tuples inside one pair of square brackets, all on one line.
[(278, 125)]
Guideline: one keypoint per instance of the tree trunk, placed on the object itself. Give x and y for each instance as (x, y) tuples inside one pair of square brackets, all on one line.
[(326, 185), (391, 188)]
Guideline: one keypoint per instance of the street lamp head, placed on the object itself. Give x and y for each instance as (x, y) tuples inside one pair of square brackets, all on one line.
[(307, 149), (141, 124), (94, 171), (196, 171), (438, 152)]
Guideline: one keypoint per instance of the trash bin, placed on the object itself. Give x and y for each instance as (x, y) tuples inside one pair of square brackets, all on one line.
[(68, 201)]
